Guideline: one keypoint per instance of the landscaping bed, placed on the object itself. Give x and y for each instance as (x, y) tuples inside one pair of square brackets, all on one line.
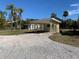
[(66, 39)]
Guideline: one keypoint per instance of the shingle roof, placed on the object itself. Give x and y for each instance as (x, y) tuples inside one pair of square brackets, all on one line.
[(40, 21), (46, 21)]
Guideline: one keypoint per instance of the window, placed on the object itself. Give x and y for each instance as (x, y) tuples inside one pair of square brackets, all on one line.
[(48, 25)]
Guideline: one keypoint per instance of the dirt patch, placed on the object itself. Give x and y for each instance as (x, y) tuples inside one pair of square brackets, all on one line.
[(71, 40)]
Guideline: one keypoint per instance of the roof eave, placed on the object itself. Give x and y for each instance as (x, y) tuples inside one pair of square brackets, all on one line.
[(56, 20)]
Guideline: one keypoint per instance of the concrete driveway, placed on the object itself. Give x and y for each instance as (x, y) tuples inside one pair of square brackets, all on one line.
[(35, 46)]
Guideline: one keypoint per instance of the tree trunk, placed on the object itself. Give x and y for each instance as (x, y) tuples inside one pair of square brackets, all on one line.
[(20, 21)]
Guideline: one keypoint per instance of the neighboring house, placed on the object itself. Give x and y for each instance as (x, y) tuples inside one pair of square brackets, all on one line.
[(50, 25)]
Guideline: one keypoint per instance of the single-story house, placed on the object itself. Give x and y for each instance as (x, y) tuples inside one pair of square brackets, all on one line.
[(50, 25)]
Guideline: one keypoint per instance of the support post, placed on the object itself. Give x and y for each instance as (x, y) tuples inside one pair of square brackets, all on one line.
[(50, 27)]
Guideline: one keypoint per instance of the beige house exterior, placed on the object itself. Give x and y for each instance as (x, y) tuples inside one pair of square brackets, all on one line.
[(51, 25)]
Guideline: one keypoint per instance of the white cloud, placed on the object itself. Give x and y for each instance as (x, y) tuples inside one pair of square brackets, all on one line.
[(73, 12), (74, 5), (76, 10)]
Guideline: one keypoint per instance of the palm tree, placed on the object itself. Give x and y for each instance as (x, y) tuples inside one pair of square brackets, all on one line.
[(78, 22), (11, 8), (14, 14), (20, 11), (14, 20), (53, 15), (4, 14), (2, 18), (1, 14), (65, 14)]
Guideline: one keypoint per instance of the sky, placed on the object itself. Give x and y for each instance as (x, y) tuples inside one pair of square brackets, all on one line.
[(38, 9)]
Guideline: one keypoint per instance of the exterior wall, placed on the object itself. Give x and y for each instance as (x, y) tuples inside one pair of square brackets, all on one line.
[(58, 29), (54, 27), (36, 26), (31, 27)]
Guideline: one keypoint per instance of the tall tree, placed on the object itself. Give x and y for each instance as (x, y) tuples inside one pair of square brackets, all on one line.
[(65, 14), (11, 8), (2, 19), (20, 11), (3, 14), (53, 15), (14, 20), (78, 22)]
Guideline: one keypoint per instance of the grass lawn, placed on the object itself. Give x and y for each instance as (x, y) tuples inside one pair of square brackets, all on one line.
[(13, 32), (17, 32), (66, 39)]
